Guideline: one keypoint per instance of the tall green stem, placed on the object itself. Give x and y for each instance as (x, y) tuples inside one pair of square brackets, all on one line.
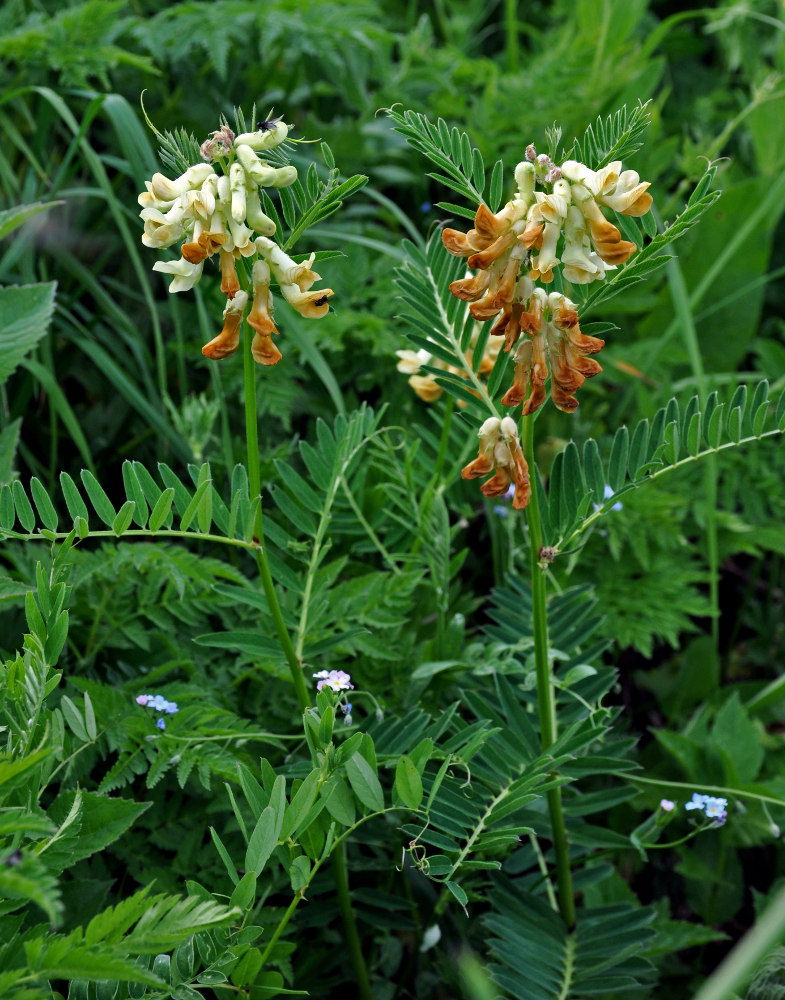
[(255, 489), (295, 666), (546, 701), (338, 859)]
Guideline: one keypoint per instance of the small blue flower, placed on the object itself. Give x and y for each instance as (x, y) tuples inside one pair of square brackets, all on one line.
[(713, 807), (161, 724), (159, 703), (170, 708), (608, 493)]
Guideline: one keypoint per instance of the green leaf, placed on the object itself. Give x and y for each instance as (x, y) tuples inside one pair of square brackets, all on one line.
[(458, 892), (300, 873), (225, 856), (300, 806), (99, 499), (694, 434), (617, 464), (25, 312), (497, 186), (43, 504), (262, 842), (193, 505), (55, 640), (12, 218), (364, 782), (339, 801), (408, 783), (89, 716), (125, 515), (244, 893), (9, 440), (73, 500), (74, 719), (23, 509), (103, 821), (714, 431), (161, 512)]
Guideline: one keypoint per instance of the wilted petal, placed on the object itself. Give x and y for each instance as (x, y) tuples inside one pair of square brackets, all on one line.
[(228, 340)]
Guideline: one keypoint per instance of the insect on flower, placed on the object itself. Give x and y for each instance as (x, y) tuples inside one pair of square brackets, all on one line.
[(269, 124)]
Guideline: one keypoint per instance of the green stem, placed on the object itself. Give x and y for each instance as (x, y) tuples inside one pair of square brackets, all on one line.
[(255, 489), (546, 700), (341, 876)]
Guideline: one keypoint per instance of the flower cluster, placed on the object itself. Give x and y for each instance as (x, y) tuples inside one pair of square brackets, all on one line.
[(338, 680), (714, 808), (159, 704), (555, 218), (215, 208), (500, 451)]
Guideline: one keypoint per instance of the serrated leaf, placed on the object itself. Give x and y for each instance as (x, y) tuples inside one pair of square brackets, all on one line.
[(25, 312)]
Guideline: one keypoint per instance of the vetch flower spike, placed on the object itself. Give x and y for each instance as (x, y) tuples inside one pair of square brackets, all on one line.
[(214, 207)]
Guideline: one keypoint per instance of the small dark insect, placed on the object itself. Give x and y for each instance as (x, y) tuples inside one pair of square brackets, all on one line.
[(13, 859), (269, 124), (321, 300)]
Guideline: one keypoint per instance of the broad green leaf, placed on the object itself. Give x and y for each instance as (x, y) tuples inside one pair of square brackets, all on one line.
[(25, 312), (244, 892), (300, 805), (408, 783), (9, 440), (364, 782), (262, 842)]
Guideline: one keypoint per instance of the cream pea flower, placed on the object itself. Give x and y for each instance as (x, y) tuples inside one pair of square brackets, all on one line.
[(186, 274)]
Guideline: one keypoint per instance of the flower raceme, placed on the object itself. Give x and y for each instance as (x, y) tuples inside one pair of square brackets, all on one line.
[(214, 208), (512, 257), (520, 245)]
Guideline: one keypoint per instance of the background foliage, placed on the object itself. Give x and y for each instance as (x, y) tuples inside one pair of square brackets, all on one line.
[(135, 844)]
